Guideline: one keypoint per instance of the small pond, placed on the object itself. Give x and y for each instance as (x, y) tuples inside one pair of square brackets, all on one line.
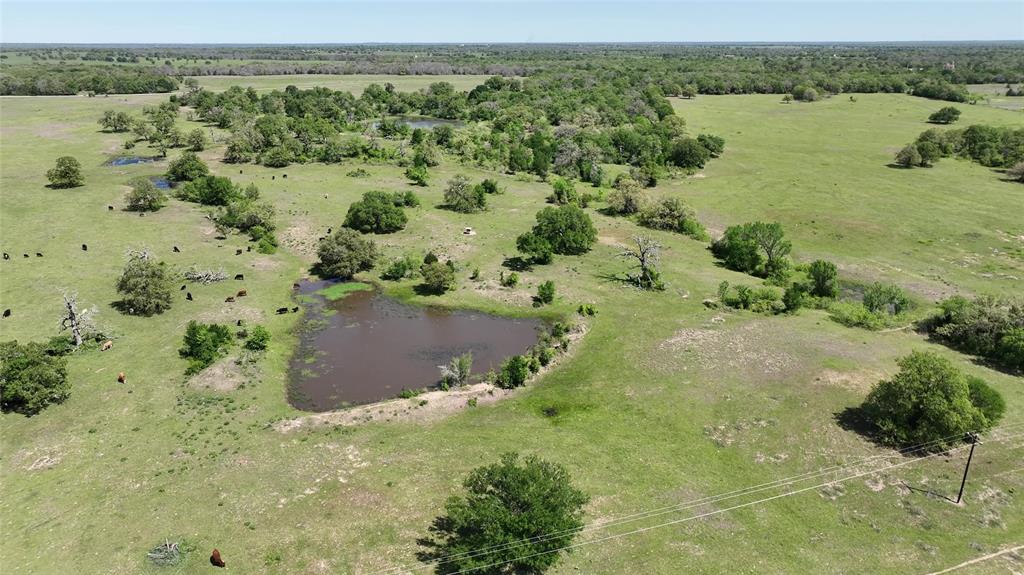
[(129, 160), (425, 122), (364, 346), (160, 182)]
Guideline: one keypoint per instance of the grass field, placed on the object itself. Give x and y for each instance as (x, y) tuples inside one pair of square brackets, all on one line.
[(663, 402)]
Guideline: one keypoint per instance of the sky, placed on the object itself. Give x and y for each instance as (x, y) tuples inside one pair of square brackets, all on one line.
[(485, 21)]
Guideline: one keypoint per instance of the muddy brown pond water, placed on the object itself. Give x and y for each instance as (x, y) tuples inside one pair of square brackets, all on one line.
[(367, 347)]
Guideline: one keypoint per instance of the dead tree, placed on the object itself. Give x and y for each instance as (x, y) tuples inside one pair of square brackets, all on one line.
[(79, 322), (646, 256)]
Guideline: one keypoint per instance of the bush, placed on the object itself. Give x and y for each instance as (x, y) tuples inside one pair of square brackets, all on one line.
[(399, 269), (627, 197), (989, 326), (535, 247), (438, 277), (715, 145), (756, 248), (853, 314), (514, 372), (375, 213), (546, 292), (672, 215), (30, 378), (67, 173), (186, 168), (986, 399), (144, 196), (530, 501), (946, 115), (459, 196), (1016, 173), (203, 344), (490, 186), (793, 298), (209, 191), (929, 400), (823, 279), (908, 157), (563, 192), (457, 371), (197, 140), (259, 338), (344, 254), (587, 309), (688, 153), (417, 175), (277, 157), (567, 229), (144, 286), (885, 298), (510, 281)]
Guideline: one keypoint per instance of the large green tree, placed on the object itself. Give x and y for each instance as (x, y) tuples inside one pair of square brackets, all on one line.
[(345, 253), (567, 229), (375, 213), (31, 378), (514, 517), (67, 173), (144, 285)]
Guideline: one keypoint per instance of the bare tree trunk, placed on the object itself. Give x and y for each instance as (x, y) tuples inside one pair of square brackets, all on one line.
[(71, 319)]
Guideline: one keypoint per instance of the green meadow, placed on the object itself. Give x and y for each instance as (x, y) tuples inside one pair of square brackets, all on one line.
[(663, 402)]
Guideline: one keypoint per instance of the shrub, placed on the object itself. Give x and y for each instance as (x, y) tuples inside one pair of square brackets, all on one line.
[(793, 298), (823, 278), (197, 140), (929, 400), (688, 153), (250, 216), (203, 344), (531, 501), (490, 186), (756, 248), (563, 192), (510, 281), (186, 168), (672, 215), (259, 338), (946, 115), (986, 399), (514, 372), (587, 309), (67, 173), (546, 292), (715, 145), (885, 298), (30, 378), (144, 286), (277, 157), (627, 197), (417, 175), (535, 247), (1016, 173), (459, 196), (457, 371), (209, 191), (909, 156), (852, 314), (989, 326), (144, 196), (438, 277), (567, 229), (344, 254), (399, 268), (375, 213)]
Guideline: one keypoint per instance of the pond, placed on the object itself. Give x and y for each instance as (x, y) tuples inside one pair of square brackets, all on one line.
[(129, 160), (160, 182), (425, 122), (364, 346)]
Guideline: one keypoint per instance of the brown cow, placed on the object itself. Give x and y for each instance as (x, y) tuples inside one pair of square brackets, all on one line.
[(215, 559), (121, 378), (106, 345), (242, 293)]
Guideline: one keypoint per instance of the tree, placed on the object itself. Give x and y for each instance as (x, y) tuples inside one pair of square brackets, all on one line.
[(438, 277), (715, 145), (259, 339), (929, 400), (535, 247), (563, 192), (375, 213), (79, 322), (908, 157), (567, 229), (114, 121), (196, 140), (144, 196), (531, 502), (461, 197), (345, 253), (688, 153), (145, 285), (757, 248), (186, 168), (671, 214), (824, 278), (627, 197), (209, 191), (885, 298), (946, 115), (545, 293), (646, 256), (31, 378), (67, 173), (417, 174)]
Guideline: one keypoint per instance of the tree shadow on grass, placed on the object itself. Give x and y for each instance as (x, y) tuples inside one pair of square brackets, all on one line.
[(855, 419), (615, 278), (424, 289), (517, 264)]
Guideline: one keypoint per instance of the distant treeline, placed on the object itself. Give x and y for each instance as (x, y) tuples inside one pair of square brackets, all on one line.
[(66, 80), (930, 70)]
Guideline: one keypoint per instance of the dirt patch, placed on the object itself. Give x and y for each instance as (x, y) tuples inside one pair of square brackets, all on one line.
[(858, 380), (225, 375), (55, 131), (231, 314), (265, 263), (493, 290), (301, 238), (37, 459), (720, 349)]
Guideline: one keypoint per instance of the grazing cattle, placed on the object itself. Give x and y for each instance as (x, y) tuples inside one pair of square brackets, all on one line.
[(321, 238), (39, 254), (329, 230), (85, 248), (183, 286), (106, 345), (238, 252), (239, 276), (325, 196), (296, 286), (188, 295), (248, 248), (284, 175), (25, 255), (110, 208), (7, 256), (238, 323), (229, 299), (282, 310), (142, 214), (295, 309), (242, 293), (215, 559), (176, 250), (7, 312), (121, 378), (239, 171), (273, 177)]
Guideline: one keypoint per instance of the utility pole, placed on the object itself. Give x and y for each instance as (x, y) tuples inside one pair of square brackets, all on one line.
[(974, 441)]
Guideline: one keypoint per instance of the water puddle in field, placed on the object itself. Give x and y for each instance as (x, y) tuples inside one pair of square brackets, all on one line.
[(363, 346), (129, 160), (424, 122), (160, 182)]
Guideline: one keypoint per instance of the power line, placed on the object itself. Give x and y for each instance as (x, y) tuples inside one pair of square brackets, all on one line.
[(716, 512), (677, 507)]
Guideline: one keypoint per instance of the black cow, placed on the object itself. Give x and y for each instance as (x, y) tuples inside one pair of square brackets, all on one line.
[(7, 313), (239, 276), (85, 248), (188, 295), (39, 254), (281, 310), (7, 256), (176, 250), (110, 208), (238, 252), (182, 287)]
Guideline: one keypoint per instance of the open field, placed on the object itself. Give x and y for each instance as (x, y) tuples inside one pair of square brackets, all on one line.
[(354, 83), (663, 402)]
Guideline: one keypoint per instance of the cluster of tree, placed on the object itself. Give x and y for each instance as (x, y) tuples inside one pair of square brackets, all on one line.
[(144, 285), (566, 230), (946, 115), (58, 80), (882, 305), (991, 146), (930, 404), (380, 212), (144, 196), (345, 253), (988, 326), (157, 126), (204, 344), (462, 197), (757, 248), (32, 377)]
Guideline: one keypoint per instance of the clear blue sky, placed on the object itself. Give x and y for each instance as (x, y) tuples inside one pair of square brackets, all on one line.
[(237, 21)]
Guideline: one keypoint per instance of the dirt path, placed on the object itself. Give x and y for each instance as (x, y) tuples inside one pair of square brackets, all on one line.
[(979, 560)]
